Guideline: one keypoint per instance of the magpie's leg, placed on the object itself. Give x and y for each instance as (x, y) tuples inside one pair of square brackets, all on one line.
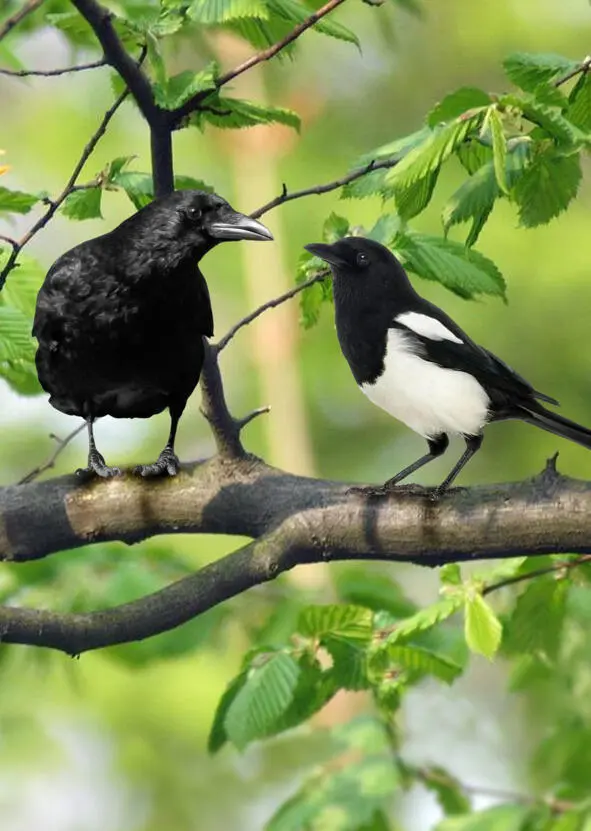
[(167, 462), (473, 444), (437, 446), (96, 463)]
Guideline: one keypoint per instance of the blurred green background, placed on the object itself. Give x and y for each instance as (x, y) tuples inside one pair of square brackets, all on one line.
[(116, 741)]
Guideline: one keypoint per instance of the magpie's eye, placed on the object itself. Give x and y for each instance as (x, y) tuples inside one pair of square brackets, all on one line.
[(362, 259)]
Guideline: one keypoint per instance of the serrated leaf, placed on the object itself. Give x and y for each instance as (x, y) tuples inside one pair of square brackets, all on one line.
[(450, 575), (386, 229), (500, 818), (138, 187), (116, 167), (371, 184), (424, 662), (314, 689), (352, 622), (294, 12), (175, 91), (426, 158), (21, 293), (349, 657), (579, 103), (528, 70), (473, 201), (156, 60), (425, 619), (189, 183), (549, 119), (210, 12), (262, 700), (537, 620), (410, 201), (16, 342), (448, 790), (16, 201), (474, 154), (83, 204), (233, 113), (397, 149), (482, 628), (217, 735), (546, 187), (499, 143), (457, 103), (462, 270)]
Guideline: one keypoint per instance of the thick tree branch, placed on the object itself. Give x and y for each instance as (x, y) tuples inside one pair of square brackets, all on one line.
[(16, 18), (193, 103), (101, 21), (293, 520), (54, 204), (50, 73)]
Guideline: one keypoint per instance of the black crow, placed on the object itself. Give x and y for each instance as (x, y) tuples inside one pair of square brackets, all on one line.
[(120, 319), (413, 361)]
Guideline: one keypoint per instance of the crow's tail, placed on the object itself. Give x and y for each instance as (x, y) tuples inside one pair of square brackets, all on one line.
[(558, 425)]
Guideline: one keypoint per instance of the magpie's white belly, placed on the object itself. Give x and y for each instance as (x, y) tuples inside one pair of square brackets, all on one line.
[(424, 396)]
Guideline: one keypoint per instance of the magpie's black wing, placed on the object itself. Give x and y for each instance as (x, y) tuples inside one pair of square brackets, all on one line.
[(504, 386)]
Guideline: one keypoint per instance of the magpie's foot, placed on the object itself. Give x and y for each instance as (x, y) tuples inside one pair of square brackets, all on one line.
[(167, 464), (97, 467)]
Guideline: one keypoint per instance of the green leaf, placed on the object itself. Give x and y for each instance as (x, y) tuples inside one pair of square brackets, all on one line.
[(457, 103), (386, 229), (482, 627), (220, 11), (427, 157), (569, 821), (218, 735), (549, 119), (16, 342), (528, 70), (116, 167), (447, 789), (314, 689), (138, 187), (395, 150), (412, 200), (156, 60), (266, 695), (374, 590), (16, 201), (424, 662), (349, 657), (537, 621), (474, 154), (371, 184), (84, 204), (579, 106), (233, 113), (462, 270), (335, 228), (21, 293), (173, 92), (493, 120), (450, 575), (189, 183), (473, 200), (312, 298), (294, 12), (547, 187), (425, 619), (352, 622), (500, 818)]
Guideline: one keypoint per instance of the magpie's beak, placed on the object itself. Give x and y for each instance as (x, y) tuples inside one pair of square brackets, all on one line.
[(325, 252), (233, 225)]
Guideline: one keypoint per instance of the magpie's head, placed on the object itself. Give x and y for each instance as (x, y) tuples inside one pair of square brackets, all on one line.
[(193, 222), (358, 259)]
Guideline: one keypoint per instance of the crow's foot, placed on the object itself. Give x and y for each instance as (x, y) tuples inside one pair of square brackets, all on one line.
[(97, 467), (167, 464)]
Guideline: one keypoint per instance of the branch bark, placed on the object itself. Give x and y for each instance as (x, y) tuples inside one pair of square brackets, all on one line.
[(51, 73), (292, 520), (15, 19)]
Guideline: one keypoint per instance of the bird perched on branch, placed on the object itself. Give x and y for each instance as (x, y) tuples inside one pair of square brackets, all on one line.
[(413, 361), (120, 319)]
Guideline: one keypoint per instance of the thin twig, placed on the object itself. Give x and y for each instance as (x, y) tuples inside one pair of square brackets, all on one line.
[(50, 73), (318, 190), (270, 304), (50, 461), (567, 565), (54, 204), (16, 18), (584, 67), (265, 55)]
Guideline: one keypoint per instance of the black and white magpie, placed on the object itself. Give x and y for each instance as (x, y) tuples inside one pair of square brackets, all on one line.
[(413, 361)]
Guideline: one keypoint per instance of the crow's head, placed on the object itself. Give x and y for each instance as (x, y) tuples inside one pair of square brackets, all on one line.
[(192, 222)]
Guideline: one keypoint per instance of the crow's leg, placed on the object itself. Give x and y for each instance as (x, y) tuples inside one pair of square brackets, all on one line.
[(473, 444), (96, 463), (167, 463), (437, 446)]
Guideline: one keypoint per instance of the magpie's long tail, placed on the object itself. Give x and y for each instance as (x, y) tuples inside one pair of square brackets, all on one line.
[(558, 425)]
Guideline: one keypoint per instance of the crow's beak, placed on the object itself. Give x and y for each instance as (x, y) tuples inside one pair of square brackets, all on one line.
[(325, 252), (233, 225)]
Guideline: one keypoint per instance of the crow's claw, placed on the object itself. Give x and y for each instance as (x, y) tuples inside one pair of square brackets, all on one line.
[(167, 464), (97, 467)]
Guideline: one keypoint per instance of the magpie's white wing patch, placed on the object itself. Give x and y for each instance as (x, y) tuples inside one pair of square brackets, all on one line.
[(426, 327)]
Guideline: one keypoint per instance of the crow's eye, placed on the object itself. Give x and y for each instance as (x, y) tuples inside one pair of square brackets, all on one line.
[(362, 259), (194, 212)]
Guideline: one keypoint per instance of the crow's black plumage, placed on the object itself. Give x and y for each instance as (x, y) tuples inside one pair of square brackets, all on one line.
[(412, 360), (120, 319)]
